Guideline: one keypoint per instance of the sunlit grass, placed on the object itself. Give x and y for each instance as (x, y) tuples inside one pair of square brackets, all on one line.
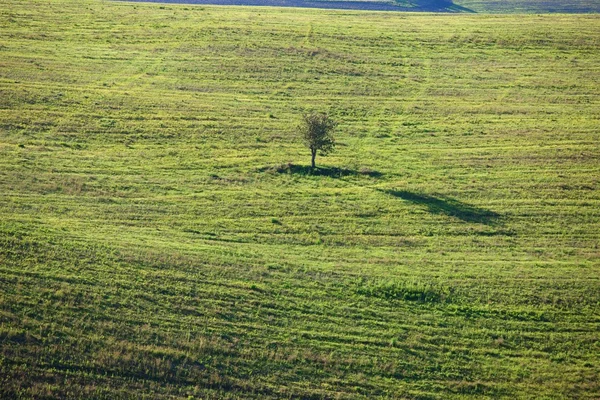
[(161, 233)]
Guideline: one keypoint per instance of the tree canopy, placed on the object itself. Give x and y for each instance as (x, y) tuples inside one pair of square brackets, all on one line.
[(317, 133)]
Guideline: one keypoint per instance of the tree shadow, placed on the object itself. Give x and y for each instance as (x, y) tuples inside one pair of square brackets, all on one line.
[(447, 206), (332, 172)]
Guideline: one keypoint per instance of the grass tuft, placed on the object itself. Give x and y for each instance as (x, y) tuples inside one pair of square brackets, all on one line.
[(407, 290)]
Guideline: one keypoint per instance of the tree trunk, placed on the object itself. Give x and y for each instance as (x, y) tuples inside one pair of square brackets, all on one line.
[(312, 160)]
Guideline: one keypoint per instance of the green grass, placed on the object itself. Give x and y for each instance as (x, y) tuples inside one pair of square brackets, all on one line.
[(446, 6), (526, 6), (162, 237)]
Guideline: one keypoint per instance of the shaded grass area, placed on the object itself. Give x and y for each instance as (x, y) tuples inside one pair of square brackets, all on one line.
[(447, 206), (162, 237), (530, 6), (443, 6), (364, 5), (332, 172)]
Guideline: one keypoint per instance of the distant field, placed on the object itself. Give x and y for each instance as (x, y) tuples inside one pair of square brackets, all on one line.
[(531, 6), (445, 6), (364, 5), (162, 237)]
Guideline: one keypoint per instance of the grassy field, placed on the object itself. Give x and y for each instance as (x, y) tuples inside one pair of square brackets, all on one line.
[(444, 6), (161, 235), (526, 6)]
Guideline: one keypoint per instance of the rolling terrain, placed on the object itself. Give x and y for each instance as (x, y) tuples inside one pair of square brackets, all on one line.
[(438, 6), (161, 234)]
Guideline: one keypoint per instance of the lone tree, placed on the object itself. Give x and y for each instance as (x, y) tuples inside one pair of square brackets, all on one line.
[(317, 133)]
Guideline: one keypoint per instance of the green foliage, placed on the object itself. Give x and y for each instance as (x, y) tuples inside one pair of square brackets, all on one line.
[(316, 131), (162, 236)]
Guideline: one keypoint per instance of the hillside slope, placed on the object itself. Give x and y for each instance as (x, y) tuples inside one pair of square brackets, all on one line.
[(437, 6), (162, 237), (530, 6)]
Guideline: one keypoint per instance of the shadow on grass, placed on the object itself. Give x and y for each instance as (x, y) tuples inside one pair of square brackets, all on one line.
[(439, 6), (332, 172), (377, 5), (446, 206)]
